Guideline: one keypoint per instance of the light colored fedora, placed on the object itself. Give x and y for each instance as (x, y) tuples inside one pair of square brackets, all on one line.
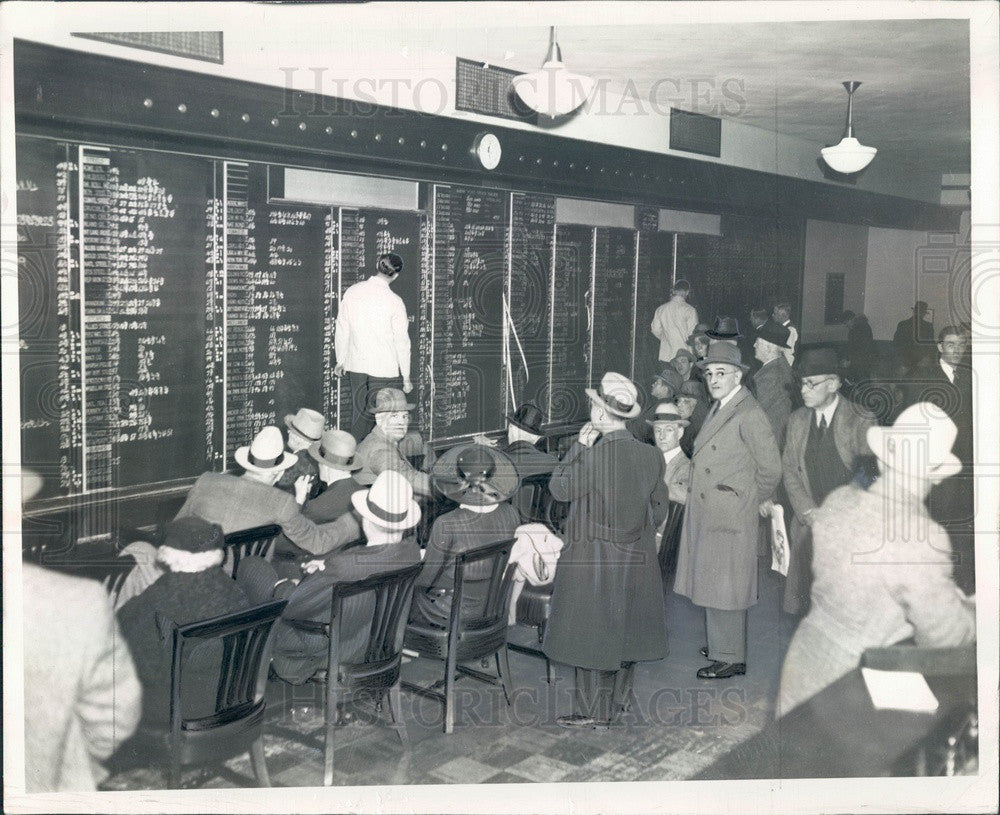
[(336, 449), (266, 453), (616, 394), (918, 443), (388, 503), (307, 423)]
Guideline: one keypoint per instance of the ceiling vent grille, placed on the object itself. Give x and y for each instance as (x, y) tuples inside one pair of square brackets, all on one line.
[(486, 89), (203, 45)]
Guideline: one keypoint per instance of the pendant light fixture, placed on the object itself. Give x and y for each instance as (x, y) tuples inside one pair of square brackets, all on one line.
[(553, 90), (850, 155)]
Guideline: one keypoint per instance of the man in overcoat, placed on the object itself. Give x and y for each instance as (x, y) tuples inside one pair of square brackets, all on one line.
[(773, 381), (607, 599), (734, 471), (825, 444)]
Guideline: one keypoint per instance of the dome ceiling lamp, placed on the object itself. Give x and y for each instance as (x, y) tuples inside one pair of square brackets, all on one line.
[(850, 155), (553, 90)]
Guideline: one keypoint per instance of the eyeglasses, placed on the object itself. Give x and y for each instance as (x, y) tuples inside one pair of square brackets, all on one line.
[(718, 374), (813, 385)]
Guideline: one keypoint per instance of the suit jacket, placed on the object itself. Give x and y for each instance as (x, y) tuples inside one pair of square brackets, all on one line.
[(772, 387), (529, 460), (330, 505), (674, 487), (607, 598), (305, 465), (931, 384), (81, 694), (299, 654), (696, 419), (736, 466), (377, 453), (672, 324), (239, 503)]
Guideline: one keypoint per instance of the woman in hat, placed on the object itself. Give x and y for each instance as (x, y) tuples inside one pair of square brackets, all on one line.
[(881, 566), (388, 516), (194, 587), (481, 480)]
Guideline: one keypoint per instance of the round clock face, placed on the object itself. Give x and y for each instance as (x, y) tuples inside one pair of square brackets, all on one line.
[(488, 150)]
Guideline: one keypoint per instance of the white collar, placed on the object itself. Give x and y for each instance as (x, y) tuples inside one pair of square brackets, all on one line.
[(728, 398), (670, 455), (338, 475), (378, 278), (949, 370), (828, 411), (481, 510)]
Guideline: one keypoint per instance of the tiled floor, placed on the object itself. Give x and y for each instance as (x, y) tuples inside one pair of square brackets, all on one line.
[(676, 727)]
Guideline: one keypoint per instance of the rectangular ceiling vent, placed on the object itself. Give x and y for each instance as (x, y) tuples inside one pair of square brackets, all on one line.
[(695, 133), (203, 45), (486, 89)]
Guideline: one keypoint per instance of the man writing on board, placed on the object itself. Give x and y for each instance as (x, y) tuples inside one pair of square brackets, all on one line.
[(372, 342)]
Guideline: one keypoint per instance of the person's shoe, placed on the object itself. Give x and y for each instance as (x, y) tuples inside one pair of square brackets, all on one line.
[(703, 651), (722, 670), (578, 722)]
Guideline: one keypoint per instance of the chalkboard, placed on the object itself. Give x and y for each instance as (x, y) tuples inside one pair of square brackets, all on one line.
[(571, 324), (614, 292), (533, 219), (470, 259)]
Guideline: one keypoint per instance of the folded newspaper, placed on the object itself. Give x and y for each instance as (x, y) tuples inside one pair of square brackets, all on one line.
[(780, 553)]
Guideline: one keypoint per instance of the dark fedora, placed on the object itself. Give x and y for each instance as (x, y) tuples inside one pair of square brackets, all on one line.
[(475, 474), (819, 362), (723, 353), (775, 334), (726, 328), (528, 417)]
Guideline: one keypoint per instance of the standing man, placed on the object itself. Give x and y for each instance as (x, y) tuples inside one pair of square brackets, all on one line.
[(826, 439), (734, 472), (692, 404), (607, 599), (674, 321), (668, 504), (372, 341), (859, 350), (913, 338), (782, 315), (773, 381)]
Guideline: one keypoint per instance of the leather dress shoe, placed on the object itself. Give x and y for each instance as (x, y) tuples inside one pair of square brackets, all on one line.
[(703, 651), (578, 722), (722, 670)]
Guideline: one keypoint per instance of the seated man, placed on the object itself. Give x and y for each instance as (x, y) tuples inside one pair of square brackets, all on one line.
[(668, 426), (388, 512), (304, 430), (481, 481), (194, 588), (334, 457), (379, 451)]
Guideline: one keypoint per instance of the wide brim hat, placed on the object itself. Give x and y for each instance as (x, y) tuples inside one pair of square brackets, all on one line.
[(666, 413), (307, 423), (775, 334), (476, 475), (266, 453), (819, 362), (726, 328), (922, 422), (528, 417), (722, 352), (368, 503), (336, 449), (609, 395)]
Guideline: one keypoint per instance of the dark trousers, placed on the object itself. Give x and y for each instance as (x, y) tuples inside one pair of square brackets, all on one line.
[(363, 390), (602, 694)]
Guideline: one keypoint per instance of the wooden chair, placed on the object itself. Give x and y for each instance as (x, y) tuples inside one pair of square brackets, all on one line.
[(379, 670), (237, 724), (471, 635), (257, 540)]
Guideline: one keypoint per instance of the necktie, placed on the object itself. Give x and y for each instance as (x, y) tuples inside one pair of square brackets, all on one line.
[(822, 423)]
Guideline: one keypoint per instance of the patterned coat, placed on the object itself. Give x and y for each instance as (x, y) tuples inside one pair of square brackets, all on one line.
[(607, 599), (871, 589), (736, 467), (772, 387)]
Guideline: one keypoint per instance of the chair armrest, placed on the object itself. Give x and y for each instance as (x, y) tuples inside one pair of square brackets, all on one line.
[(310, 626)]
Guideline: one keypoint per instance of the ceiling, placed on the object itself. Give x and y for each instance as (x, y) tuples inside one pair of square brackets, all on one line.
[(786, 77)]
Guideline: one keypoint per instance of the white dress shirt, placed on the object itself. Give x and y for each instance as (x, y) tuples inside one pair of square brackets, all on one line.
[(828, 412), (793, 339), (949, 370), (372, 335)]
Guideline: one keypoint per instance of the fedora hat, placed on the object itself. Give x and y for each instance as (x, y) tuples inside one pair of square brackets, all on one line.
[(775, 334), (694, 389), (666, 413), (819, 362), (475, 474), (700, 330), (388, 503), (307, 423), (670, 377), (617, 394), (266, 453), (528, 417), (686, 354), (336, 449), (389, 400), (927, 428), (726, 328), (723, 352)]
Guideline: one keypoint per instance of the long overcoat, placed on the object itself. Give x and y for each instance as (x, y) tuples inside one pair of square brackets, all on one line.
[(735, 467), (607, 597)]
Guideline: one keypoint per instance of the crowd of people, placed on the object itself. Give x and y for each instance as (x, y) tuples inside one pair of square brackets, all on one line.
[(673, 496)]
